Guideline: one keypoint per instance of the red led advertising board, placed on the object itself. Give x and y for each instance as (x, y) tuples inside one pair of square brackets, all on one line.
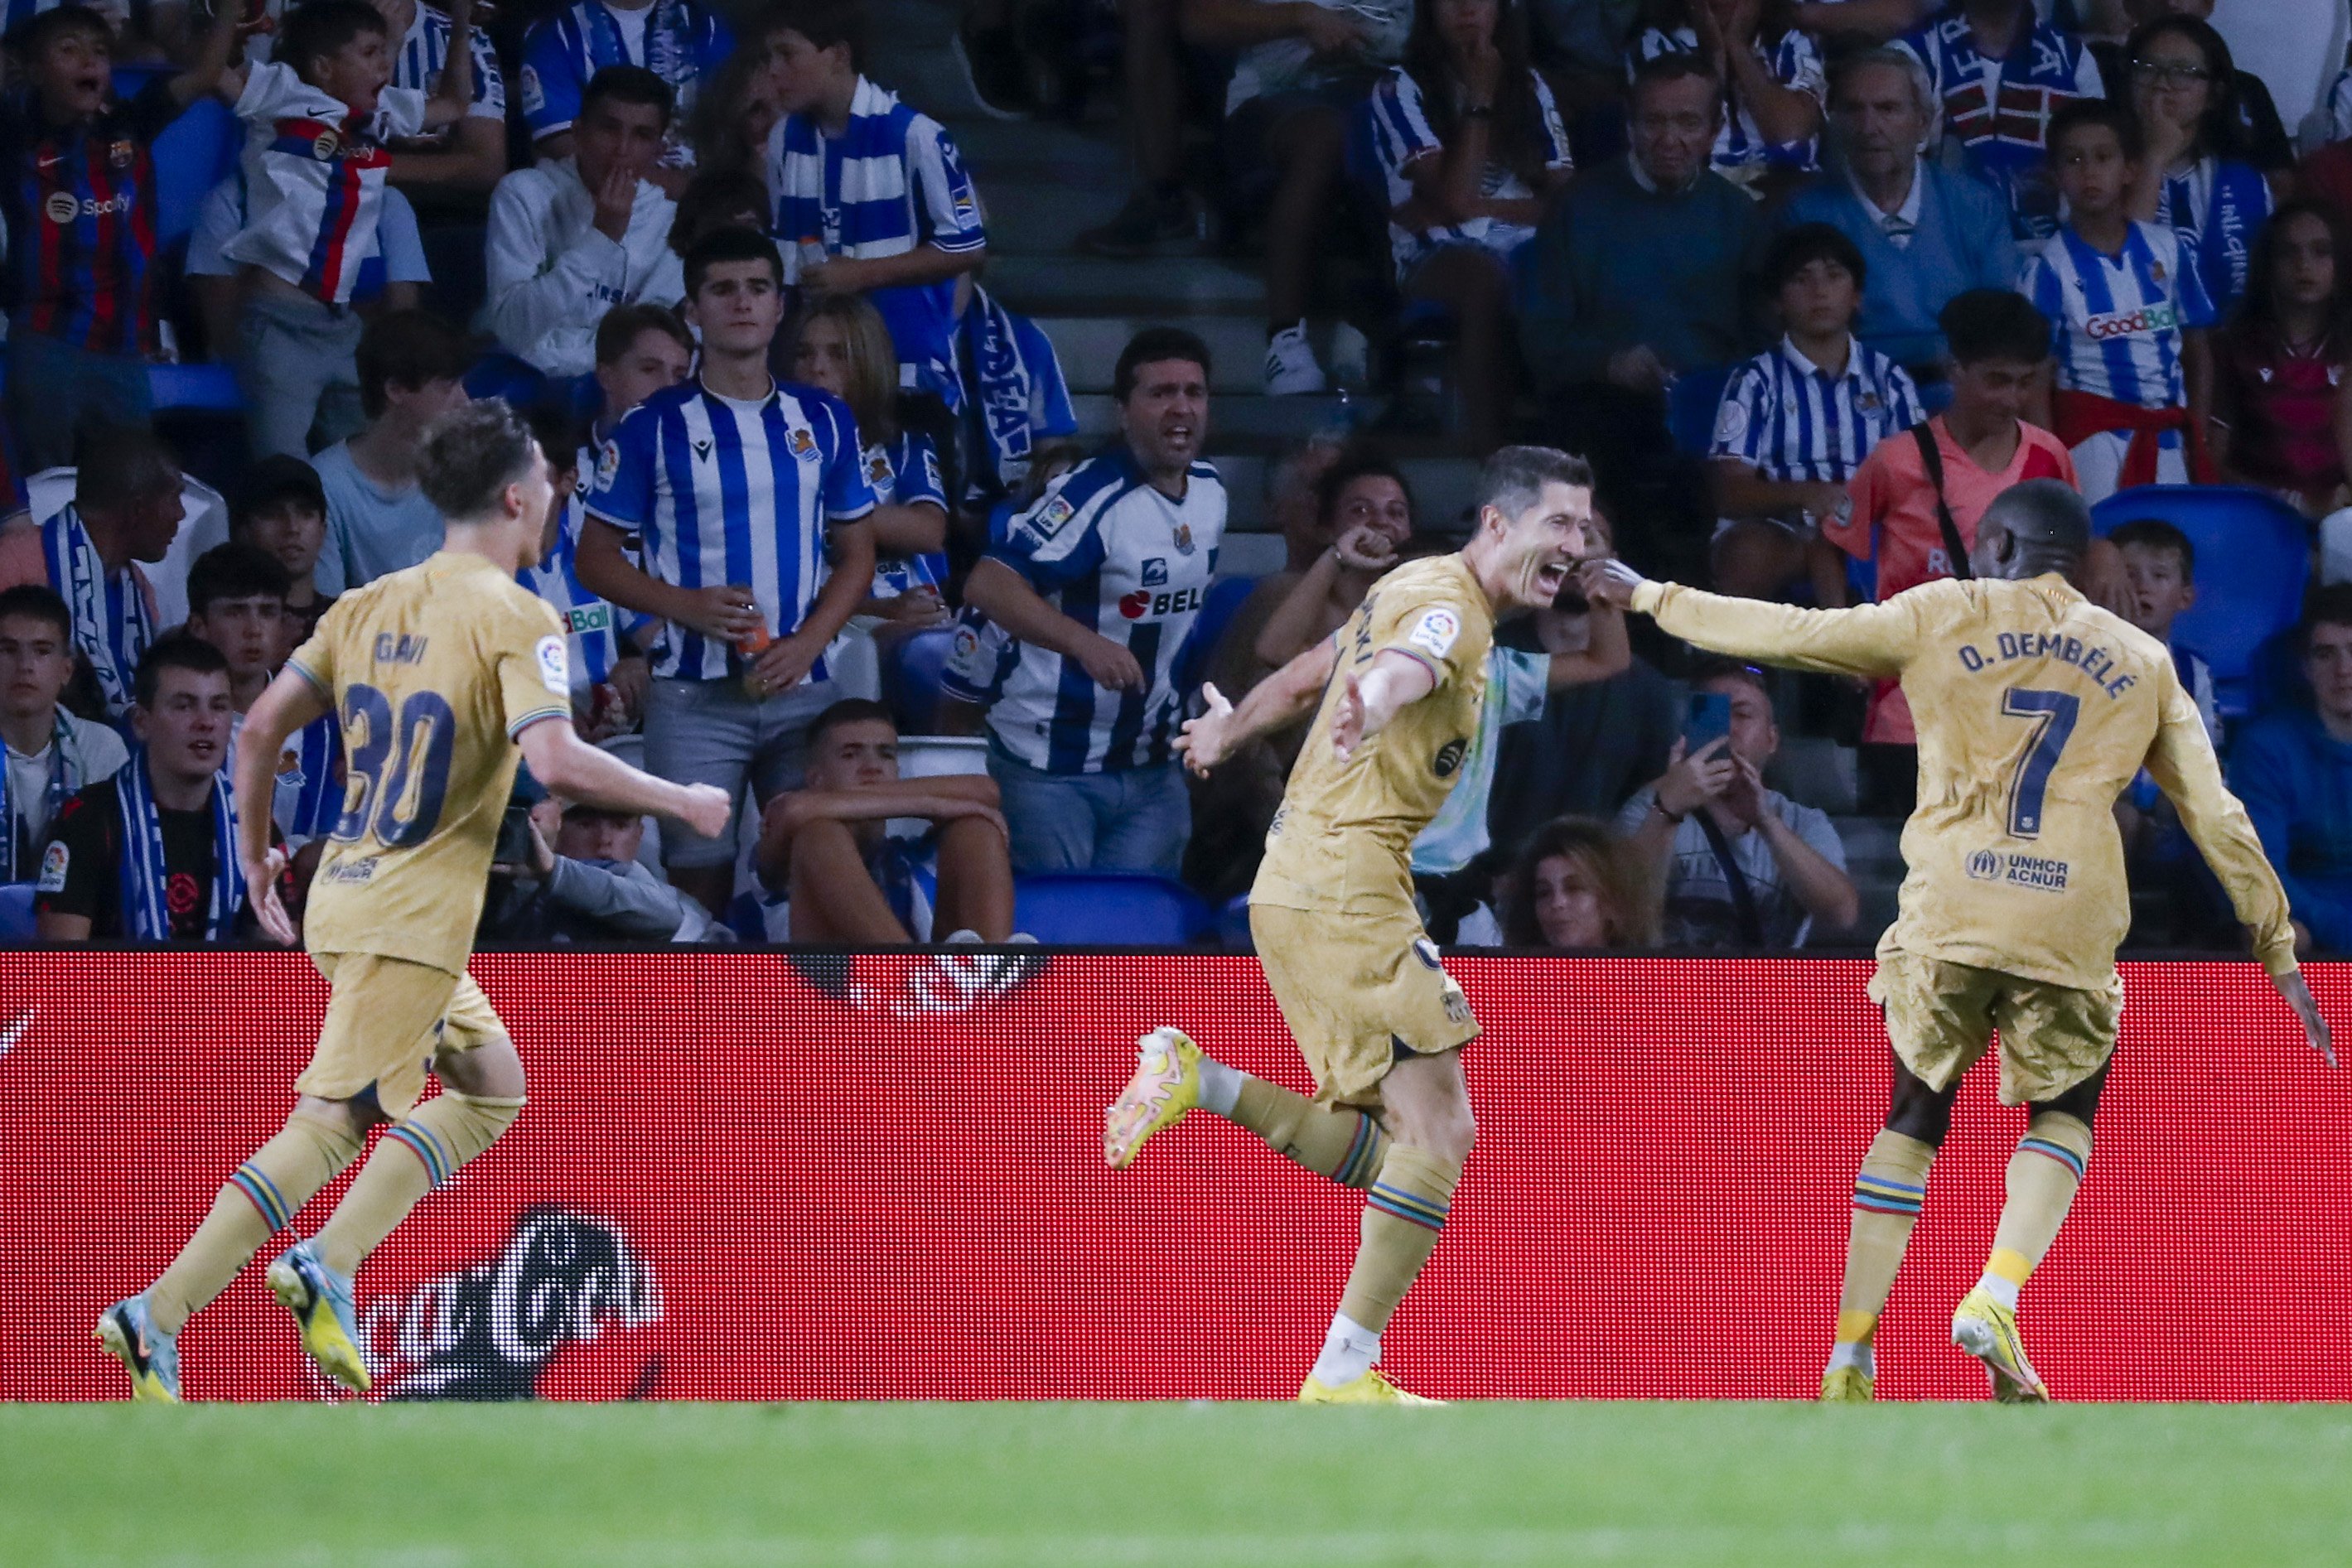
[(750, 1175)]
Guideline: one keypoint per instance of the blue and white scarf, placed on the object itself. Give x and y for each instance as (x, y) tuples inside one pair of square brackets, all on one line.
[(111, 623), (1014, 395), (146, 908), (65, 778), (308, 796)]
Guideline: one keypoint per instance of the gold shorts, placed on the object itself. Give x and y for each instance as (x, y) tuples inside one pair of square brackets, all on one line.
[(387, 1019), (1940, 1017), (1359, 991)]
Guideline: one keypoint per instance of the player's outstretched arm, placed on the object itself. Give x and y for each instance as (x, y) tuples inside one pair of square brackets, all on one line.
[(570, 767), (285, 706), (1869, 640), (1395, 683), (1280, 699)]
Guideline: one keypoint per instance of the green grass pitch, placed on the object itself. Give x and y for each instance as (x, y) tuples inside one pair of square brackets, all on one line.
[(1025, 1485)]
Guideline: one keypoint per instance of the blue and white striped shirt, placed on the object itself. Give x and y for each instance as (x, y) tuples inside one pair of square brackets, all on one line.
[(1402, 136), (1794, 423), (906, 473), (2218, 207), (891, 182), (597, 629), (680, 42), (729, 492), (1742, 150), (417, 63), (2116, 322), (1124, 559)]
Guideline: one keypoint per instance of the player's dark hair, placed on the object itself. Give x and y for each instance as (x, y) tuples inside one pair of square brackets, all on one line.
[(624, 324), (274, 484), (471, 455), (38, 601), (1360, 463), (173, 650), (729, 244), (2048, 521), (29, 38), (848, 710), (1675, 65), (118, 465), (234, 571), (1716, 667), (1150, 346), (1513, 478), (823, 23), (409, 349), (1629, 909), (628, 84), (2154, 533), (2328, 605), (1983, 324), (1809, 242), (319, 29), (2084, 113)]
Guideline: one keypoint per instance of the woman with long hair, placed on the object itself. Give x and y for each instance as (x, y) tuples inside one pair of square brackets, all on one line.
[(730, 121), (2283, 377), (2195, 177), (1575, 889), (840, 345), (1774, 83), (1473, 151)]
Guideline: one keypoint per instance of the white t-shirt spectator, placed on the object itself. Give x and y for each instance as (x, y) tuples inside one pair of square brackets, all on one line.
[(554, 274), (1701, 908)]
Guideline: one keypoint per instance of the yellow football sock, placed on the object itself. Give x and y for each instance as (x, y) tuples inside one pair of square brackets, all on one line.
[(1888, 1192), (416, 1155), (1330, 1139), (259, 1199), (2043, 1175), (1404, 1214)]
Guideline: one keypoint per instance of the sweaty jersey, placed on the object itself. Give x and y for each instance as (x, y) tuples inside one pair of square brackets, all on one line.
[(1343, 836), (2035, 710), (433, 672)]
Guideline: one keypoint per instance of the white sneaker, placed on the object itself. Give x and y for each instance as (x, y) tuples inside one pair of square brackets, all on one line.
[(1291, 368)]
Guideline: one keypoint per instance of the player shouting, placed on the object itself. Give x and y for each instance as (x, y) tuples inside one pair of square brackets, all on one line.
[(2035, 710), (436, 672), (1378, 1022)]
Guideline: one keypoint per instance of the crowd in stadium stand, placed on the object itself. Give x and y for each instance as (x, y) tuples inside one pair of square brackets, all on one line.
[(1808, 281)]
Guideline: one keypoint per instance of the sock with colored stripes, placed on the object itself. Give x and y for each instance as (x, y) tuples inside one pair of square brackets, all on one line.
[(259, 1199), (1330, 1139), (1888, 1193), (1404, 1214), (415, 1156), (2043, 1175)]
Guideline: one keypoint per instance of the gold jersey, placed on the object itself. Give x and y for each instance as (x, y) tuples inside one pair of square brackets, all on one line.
[(432, 672), (1344, 835), (2035, 710)]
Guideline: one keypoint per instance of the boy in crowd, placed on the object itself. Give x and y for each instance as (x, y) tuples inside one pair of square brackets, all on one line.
[(680, 41), (318, 118), (150, 854), (2161, 564), (78, 204), (1917, 498), (878, 187), (411, 368), (236, 602), (828, 847), (2135, 383), (52, 754), (282, 511), (575, 236), (1797, 420)]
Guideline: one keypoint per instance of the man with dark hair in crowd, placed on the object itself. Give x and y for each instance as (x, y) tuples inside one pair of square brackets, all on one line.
[(282, 508), (412, 369), (826, 846), (572, 238), (236, 602), (125, 513), (150, 854), (1125, 544), (52, 754), (2293, 770)]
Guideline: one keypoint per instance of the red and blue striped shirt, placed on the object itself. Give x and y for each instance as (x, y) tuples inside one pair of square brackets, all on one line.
[(79, 205)]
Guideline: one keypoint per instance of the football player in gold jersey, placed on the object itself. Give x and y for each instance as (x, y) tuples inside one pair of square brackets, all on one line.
[(437, 675), (2036, 709), (1380, 1022)]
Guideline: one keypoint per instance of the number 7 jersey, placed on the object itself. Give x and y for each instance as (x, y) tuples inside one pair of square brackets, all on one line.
[(2035, 710), (433, 672)]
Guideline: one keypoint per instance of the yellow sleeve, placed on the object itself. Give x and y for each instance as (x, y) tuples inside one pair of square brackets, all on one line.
[(2183, 765), (533, 665), (1428, 624), (1874, 640), (314, 661)]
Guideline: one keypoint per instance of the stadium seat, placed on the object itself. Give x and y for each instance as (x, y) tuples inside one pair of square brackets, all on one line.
[(500, 374), (16, 911), (210, 389), (1690, 407), (2253, 560), (1096, 907), (195, 152), (910, 678)]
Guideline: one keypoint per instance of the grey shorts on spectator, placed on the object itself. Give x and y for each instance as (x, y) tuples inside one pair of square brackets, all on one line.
[(298, 351), (713, 732)]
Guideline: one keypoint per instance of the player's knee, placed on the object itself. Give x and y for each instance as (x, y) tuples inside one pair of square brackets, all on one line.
[(346, 1118), (2080, 1104), (1918, 1111)]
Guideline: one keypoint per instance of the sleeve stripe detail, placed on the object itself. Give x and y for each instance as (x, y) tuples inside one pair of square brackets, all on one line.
[(533, 717), (316, 684), (1436, 673), (956, 244)]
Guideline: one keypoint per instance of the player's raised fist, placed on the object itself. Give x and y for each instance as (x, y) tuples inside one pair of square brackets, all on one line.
[(1609, 582), (706, 809), (1202, 742)]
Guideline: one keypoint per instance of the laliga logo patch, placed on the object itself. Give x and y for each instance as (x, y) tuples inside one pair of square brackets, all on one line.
[(608, 464), (1047, 520), (1435, 632), (554, 666), (61, 207), (967, 642), (54, 861)]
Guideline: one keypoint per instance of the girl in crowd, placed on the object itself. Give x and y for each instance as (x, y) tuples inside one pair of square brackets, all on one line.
[(2282, 410), (1575, 889), (1773, 81), (2195, 177), (1473, 151), (731, 121)]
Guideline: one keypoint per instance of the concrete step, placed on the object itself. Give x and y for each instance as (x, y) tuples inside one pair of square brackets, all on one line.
[(915, 48), (1009, 151), (1089, 347), (1173, 288)]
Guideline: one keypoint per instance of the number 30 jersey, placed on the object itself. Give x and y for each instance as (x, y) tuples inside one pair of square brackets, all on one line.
[(2035, 710), (433, 672)]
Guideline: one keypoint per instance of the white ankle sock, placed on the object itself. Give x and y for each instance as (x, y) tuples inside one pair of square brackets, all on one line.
[(1221, 1086), (1349, 1349), (1858, 1357), (1999, 1290)]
